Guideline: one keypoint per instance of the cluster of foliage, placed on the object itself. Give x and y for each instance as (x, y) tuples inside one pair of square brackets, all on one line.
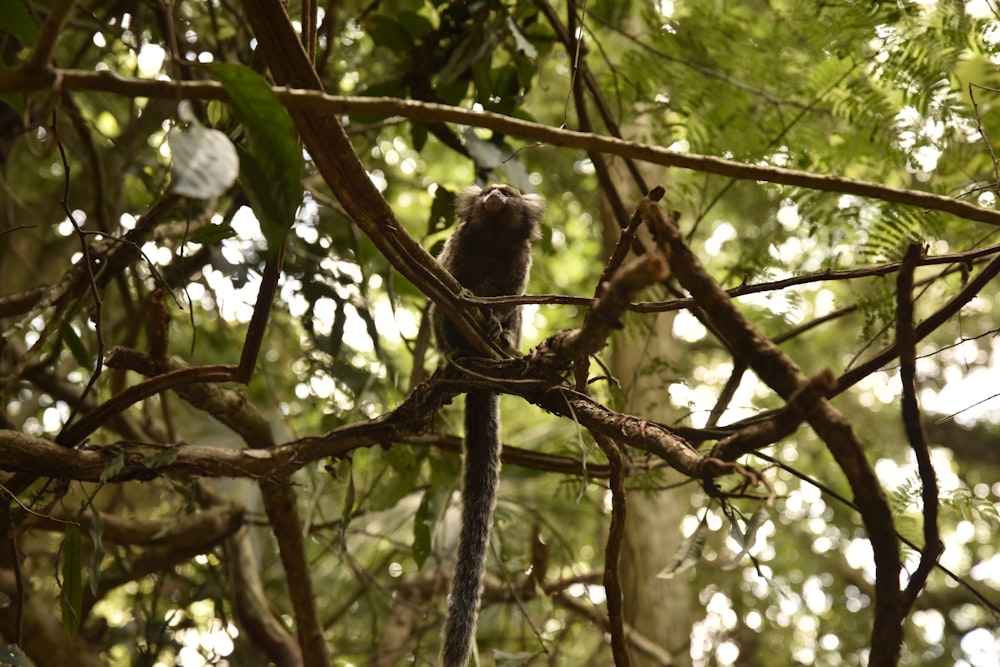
[(221, 441)]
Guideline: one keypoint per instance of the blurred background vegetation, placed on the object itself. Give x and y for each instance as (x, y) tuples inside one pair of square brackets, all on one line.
[(102, 571)]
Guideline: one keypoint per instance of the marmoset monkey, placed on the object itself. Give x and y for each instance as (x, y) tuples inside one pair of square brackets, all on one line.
[(489, 253)]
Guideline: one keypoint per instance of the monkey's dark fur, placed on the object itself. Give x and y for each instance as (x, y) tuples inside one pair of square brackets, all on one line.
[(490, 255)]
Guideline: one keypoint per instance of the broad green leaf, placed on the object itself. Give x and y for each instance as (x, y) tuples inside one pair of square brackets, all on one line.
[(71, 597), (453, 93), (15, 19), (14, 100), (389, 33), (210, 234), (389, 88), (271, 165), (418, 132), (112, 468), (416, 24), (442, 211), (75, 345), (504, 93), (404, 472)]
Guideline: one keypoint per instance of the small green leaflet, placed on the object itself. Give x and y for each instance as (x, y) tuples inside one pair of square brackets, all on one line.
[(161, 458), (210, 234), (112, 468), (746, 539), (422, 522), (688, 553), (71, 597), (74, 344), (349, 498)]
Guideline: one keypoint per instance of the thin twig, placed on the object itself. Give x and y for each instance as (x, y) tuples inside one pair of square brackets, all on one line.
[(92, 280), (906, 341)]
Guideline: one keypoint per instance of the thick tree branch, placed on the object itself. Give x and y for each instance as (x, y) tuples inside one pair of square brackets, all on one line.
[(252, 606), (20, 452), (612, 552), (22, 80)]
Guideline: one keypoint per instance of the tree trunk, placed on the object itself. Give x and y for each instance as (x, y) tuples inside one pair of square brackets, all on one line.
[(657, 609)]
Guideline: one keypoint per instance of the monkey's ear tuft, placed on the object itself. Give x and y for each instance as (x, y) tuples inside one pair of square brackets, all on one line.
[(534, 207), (465, 201)]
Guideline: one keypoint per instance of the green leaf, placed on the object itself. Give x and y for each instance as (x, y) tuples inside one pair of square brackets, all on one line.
[(390, 88), (161, 458), (422, 523), (74, 344), (15, 19), (418, 132), (15, 101), (404, 472), (348, 512), (453, 93), (433, 505), (442, 211), (210, 234), (504, 93), (746, 539), (71, 597), (271, 165), (416, 24), (96, 538), (688, 552), (389, 33), (112, 468)]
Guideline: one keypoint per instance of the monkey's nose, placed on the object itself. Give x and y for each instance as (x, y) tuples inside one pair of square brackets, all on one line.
[(495, 202)]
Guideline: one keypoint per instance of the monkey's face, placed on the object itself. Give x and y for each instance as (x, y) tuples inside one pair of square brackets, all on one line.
[(497, 197), (497, 214)]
